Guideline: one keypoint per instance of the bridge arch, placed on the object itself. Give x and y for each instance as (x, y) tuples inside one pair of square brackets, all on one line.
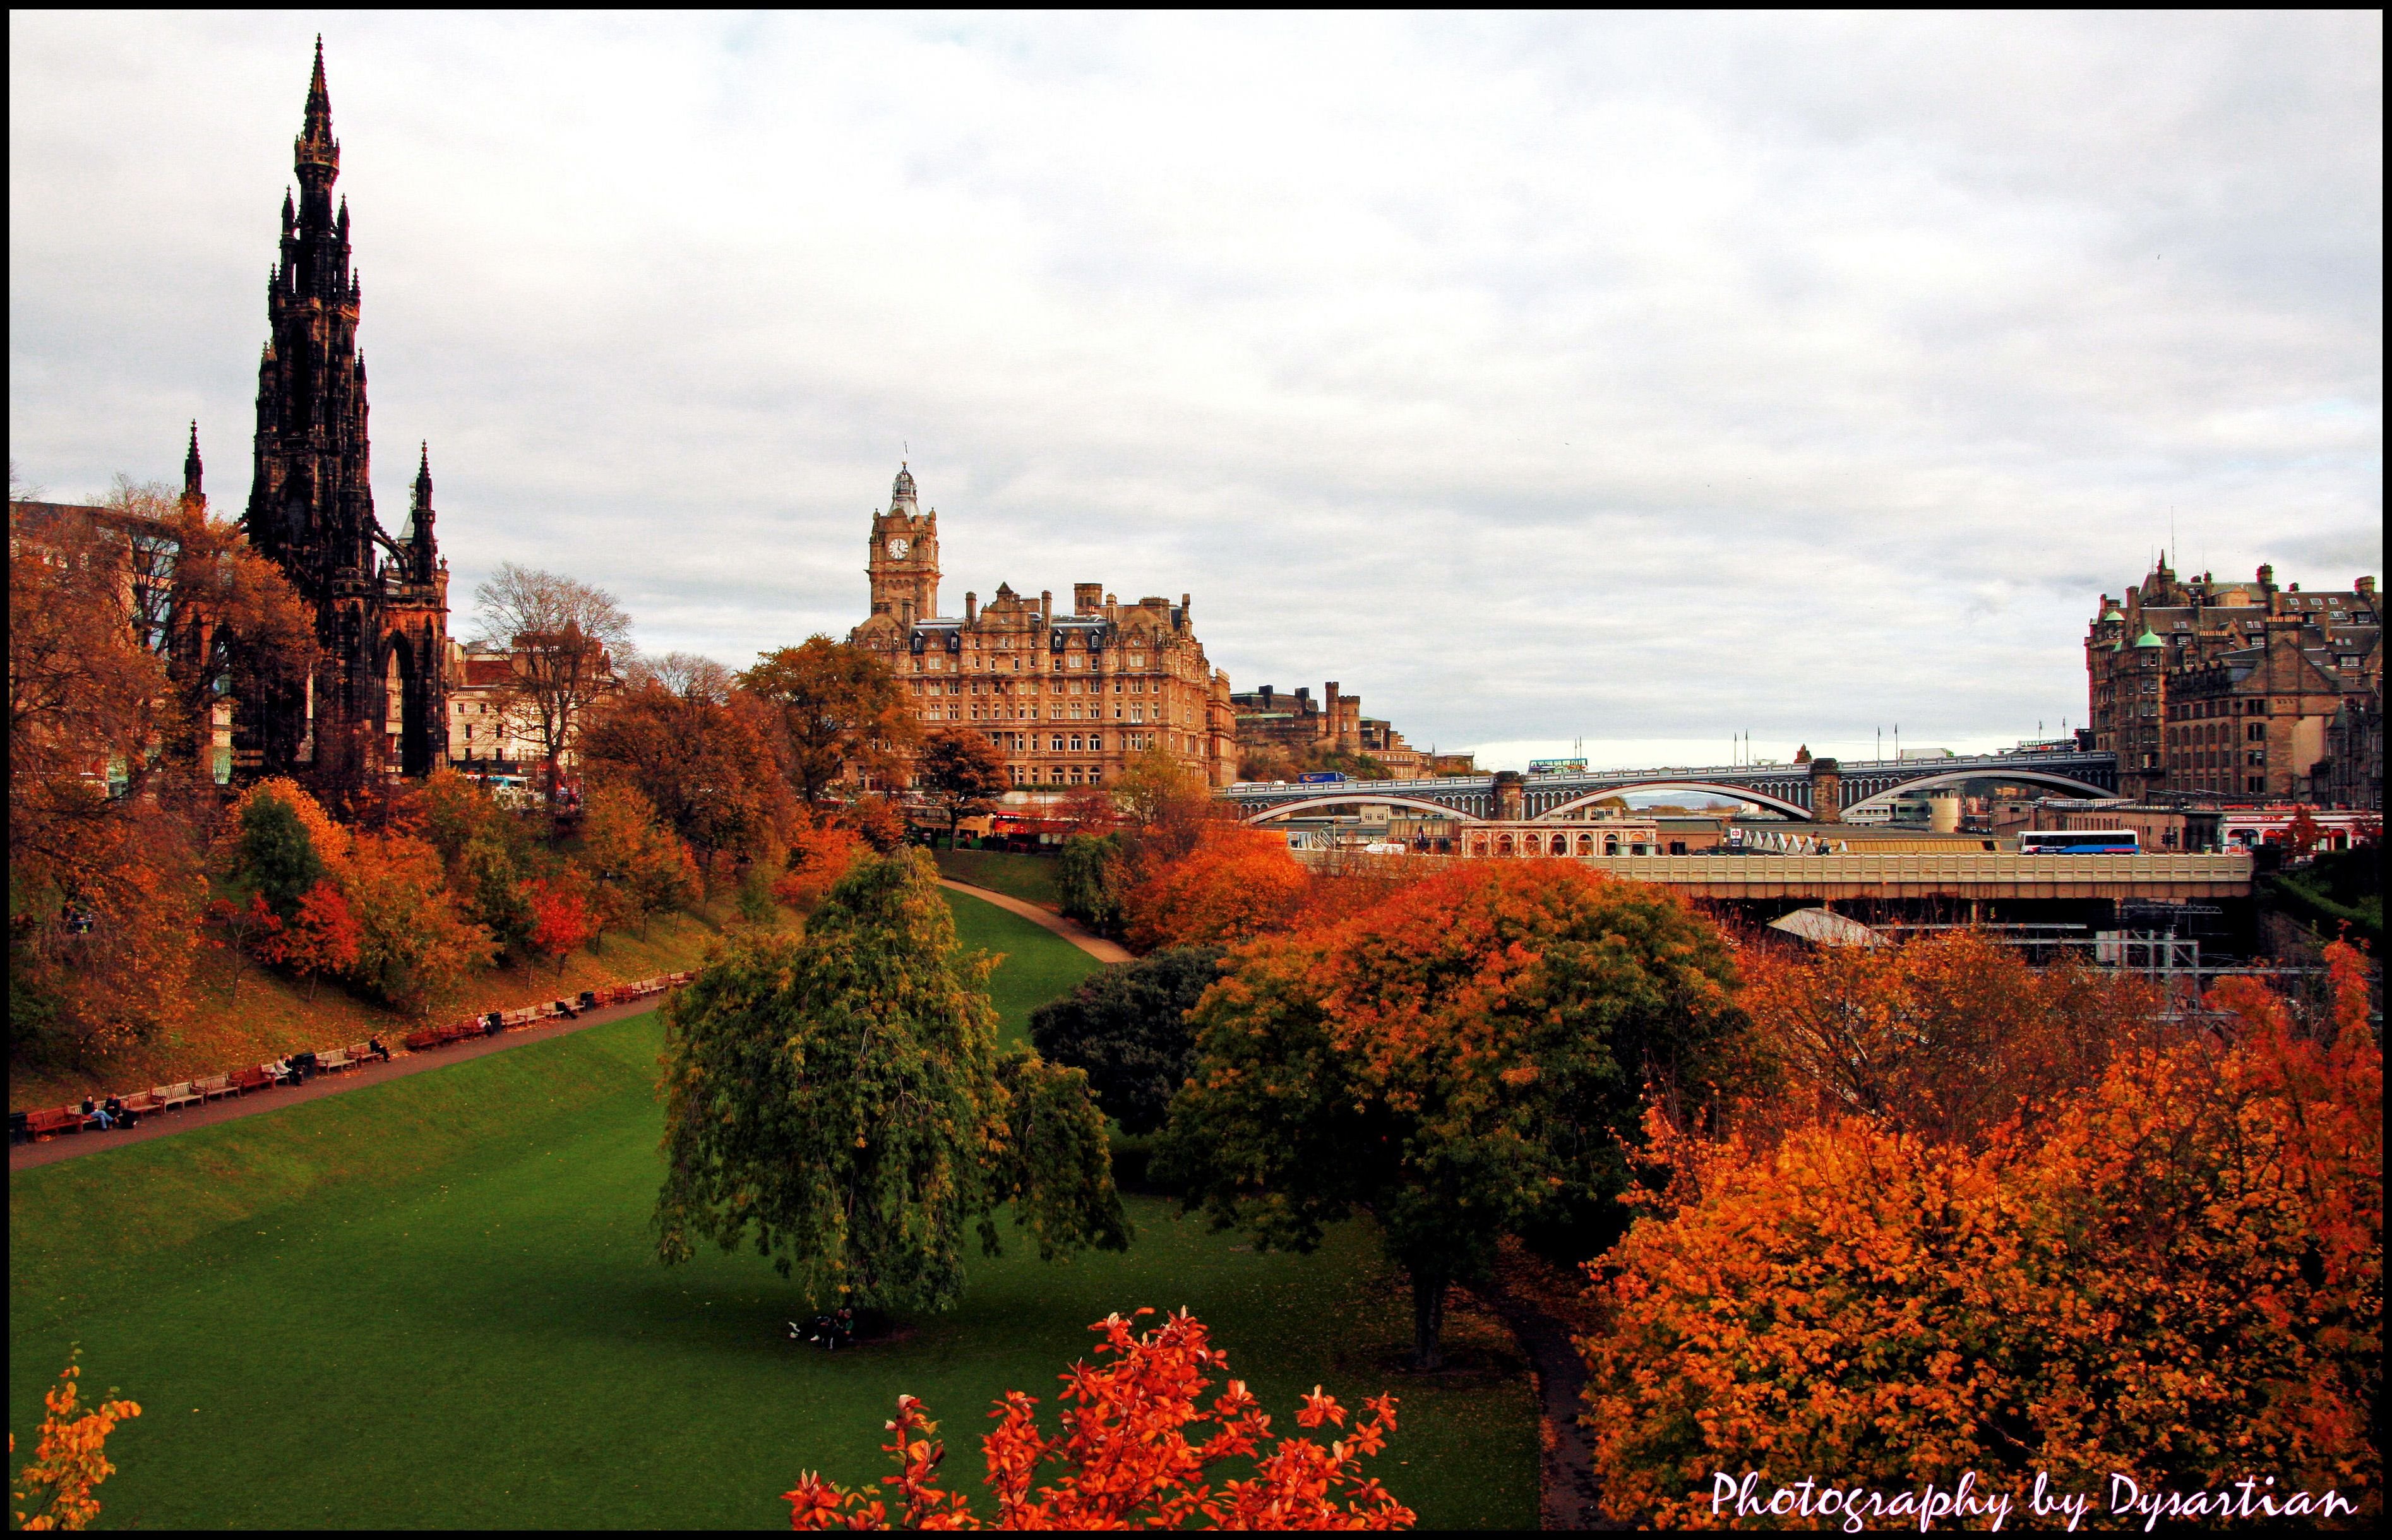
[(1953, 778), (1741, 793), (1313, 804)]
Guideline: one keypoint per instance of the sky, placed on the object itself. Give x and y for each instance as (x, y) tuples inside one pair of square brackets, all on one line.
[(1630, 382)]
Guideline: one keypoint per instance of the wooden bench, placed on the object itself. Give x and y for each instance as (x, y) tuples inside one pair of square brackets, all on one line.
[(255, 1077), (333, 1061), (142, 1102), (362, 1052), (175, 1097), (213, 1087), (50, 1120)]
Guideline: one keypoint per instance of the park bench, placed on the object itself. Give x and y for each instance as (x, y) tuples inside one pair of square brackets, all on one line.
[(47, 1121), (255, 1077), (334, 1062), (141, 1102), (173, 1097), (213, 1087), (361, 1053)]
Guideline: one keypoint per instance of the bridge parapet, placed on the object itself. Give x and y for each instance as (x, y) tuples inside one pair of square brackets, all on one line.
[(1971, 874), (1784, 788)]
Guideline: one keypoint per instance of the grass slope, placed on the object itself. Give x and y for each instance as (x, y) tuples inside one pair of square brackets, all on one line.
[(433, 1303), (1039, 965), (1016, 876), (243, 1013)]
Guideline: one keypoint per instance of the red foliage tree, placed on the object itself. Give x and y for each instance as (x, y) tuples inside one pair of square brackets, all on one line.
[(321, 936), (561, 917), (1125, 1458)]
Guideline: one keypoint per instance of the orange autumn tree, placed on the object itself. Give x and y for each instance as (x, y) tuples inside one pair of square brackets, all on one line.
[(1134, 1451), (1232, 884), (53, 1491), (2176, 1273)]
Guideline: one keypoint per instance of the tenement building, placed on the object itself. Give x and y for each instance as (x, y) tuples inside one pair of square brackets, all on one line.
[(375, 704), (2240, 691), (1068, 699)]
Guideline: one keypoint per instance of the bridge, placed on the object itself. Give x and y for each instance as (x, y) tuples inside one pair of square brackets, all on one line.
[(1826, 790)]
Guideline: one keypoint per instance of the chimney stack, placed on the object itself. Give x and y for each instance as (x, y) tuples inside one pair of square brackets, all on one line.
[(1087, 598), (971, 607)]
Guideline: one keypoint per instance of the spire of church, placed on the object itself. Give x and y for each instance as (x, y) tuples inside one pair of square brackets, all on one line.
[(191, 492), (903, 493)]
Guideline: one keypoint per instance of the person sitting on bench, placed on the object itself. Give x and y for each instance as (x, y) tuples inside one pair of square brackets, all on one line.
[(94, 1113), (373, 1046), (113, 1110), (280, 1072)]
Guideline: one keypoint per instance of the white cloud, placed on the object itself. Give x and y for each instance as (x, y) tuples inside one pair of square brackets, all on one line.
[(1646, 379)]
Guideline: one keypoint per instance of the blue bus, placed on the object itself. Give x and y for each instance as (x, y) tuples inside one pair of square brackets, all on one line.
[(1322, 778), (2079, 842)]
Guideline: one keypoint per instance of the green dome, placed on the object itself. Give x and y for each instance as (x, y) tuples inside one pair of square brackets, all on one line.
[(2110, 615), (2147, 640)]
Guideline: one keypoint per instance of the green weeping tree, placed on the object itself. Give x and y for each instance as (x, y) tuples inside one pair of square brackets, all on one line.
[(836, 1095)]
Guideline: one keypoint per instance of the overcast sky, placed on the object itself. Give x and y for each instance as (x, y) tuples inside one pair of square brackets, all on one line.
[(1642, 380)]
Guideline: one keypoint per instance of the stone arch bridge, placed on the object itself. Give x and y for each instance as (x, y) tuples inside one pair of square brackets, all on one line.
[(1823, 789)]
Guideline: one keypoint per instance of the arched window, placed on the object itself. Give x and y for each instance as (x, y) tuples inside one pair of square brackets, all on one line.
[(1561, 845), (1502, 844), (1586, 845), (1479, 845), (1611, 844)]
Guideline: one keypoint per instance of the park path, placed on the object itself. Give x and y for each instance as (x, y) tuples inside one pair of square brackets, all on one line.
[(1529, 1298), (158, 1125), (1086, 940)]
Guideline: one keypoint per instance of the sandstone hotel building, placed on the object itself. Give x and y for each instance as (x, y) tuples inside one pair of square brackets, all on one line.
[(1070, 700)]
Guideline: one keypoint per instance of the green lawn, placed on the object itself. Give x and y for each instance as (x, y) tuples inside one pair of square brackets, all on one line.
[(433, 1303), (1039, 965), (1017, 877)]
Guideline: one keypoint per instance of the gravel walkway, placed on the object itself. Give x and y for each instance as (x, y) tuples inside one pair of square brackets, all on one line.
[(1086, 940)]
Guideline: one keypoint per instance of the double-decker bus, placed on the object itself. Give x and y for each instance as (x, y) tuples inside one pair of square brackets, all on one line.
[(2079, 842), (1557, 767)]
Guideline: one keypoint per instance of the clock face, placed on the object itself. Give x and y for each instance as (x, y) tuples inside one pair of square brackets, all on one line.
[(897, 548)]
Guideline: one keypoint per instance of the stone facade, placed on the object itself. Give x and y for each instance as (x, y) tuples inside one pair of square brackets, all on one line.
[(2229, 690), (1070, 699), (1297, 725), (376, 704)]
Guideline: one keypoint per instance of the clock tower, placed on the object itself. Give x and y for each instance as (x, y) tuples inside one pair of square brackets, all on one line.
[(904, 563)]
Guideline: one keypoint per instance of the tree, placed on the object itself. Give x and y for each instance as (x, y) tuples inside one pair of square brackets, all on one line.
[(1156, 788), (837, 1095), (1125, 1458), (963, 774), (1465, 1060), (1234, 884), (565, 636), (1126, 1026), (70, 1460), (221, 617), (2176, 1274), (840, 711), (701, 765), (1948, 1037), (877, 820), (413, 944), (561, 916), (321, 936), (641, 869), (277, 856), (818, 859), (104, 886), (692, 676), (1091, 877)]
